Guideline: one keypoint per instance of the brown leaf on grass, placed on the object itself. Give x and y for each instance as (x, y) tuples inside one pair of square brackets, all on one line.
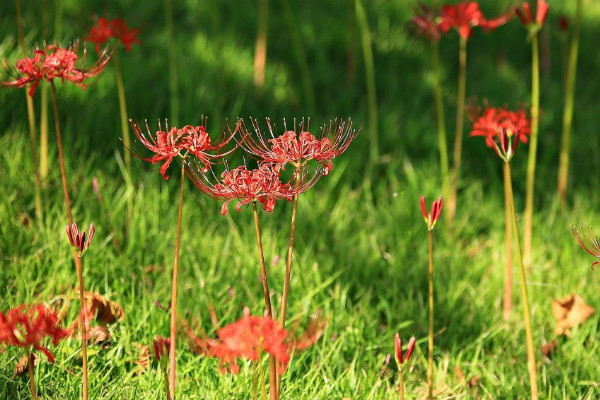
[(99, 335), (143, 360), (21, 366), (460, 376), (549, 348), (569, 312), (106, 311)]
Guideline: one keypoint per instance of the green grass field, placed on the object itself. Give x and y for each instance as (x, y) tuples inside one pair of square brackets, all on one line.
[(360, 255)]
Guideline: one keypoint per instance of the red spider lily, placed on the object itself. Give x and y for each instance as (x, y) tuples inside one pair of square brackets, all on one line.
[(172, 142), (436, 210), (262, 184), (593, 246), (248, 338), (52, 62), (77, 239), (526, 18), (398, 350), (296, 148), (161, 347), (115, 28), (466, 15), (25, 326), (427, 23)]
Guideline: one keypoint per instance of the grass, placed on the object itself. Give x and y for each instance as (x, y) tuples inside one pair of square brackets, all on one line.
[(360, 257)]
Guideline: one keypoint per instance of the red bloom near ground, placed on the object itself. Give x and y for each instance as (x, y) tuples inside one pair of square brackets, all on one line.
[(492, 120), (466, 15), (52, 62), (525, 16), (25, 326), (297, 147), (116, 28), (427, 23), (436, 210), (248, 338)]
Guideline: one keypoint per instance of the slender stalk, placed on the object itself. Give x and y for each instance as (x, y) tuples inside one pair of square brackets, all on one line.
[(508, 270), (526, 312), (167, 390), (458, 138), (30, 362), (263, 275), (260, 51), (31, 120), (288, 263), (439, 113), (78, 265), (173, 347), (173, 79), (365, 33), (263, 387), (535, 112), (44, 131), (401, 384), (563, 169), (430, 356)]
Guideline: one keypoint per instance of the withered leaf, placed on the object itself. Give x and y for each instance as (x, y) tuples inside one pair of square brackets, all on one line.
[(99, 335), (106, 311), (569, 312), (21, 366), (143, 360), (549, 348)]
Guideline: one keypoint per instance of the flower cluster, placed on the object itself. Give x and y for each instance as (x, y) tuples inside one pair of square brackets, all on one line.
[(173, 142), (161, 346), (77, 239), (593, 246), (525, 16), (25, 326), (401, 361), (499, 123), (54, 61), (116, 28), (433, 216)]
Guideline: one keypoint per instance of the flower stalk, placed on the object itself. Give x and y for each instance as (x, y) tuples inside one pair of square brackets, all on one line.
[(30, 362), (439, 113), (430, 340), (507, 305)]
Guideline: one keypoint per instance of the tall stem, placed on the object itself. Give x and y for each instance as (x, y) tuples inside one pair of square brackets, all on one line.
[(31, 120), (430, 356), (401, 384), (535, 112), (167, 390), (458, 138), (563, 170), (30, 362), (524, 295), (173, 79), (44, 131), (173, 347), (439, 113), (288, 264), (508, 270), (263, 274), (260, 51), (78, 265)]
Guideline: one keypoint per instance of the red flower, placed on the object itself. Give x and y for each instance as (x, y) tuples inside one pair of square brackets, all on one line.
[(248, 338), (436, 210), (398, 350), (172, 142), (116, 28), (509, 127), (262, 184), (296, 148), (77, 239), (27, 327), (161, 346), (466, 15), (427, 23), (52, 62), (526, 18), (593, 241)]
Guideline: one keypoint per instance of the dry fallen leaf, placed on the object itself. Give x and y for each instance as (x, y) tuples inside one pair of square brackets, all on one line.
[(143, 360), (21, 367), (460, 376), (549, 348), (99, 335), (106, 311), (569, 312)]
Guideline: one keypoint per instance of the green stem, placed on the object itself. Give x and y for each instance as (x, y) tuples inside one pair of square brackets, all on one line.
[(288, 264), (430, 343), (508, 270), (401, 384), (44, 131), (172, 349), (166, 378), (365, 33), (531, 161), (263, 386), (263, 275), (173, 79), (524, 295), (458, 137), (563, 170), (31, 120), (439, 113), (30, 362), (260, 51)]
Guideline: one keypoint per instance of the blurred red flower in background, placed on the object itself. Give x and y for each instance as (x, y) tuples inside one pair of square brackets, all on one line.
[(116, 28)]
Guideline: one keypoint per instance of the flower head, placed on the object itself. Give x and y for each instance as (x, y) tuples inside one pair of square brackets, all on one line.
[(248, 338), (297, 146), (77, 239), (526, 18), (398, 350), (25, 326), (466, 15), (173, 142), (161, 346), (593, 242), (433, 216), (52, 62), (116, 28), (427, 23)]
